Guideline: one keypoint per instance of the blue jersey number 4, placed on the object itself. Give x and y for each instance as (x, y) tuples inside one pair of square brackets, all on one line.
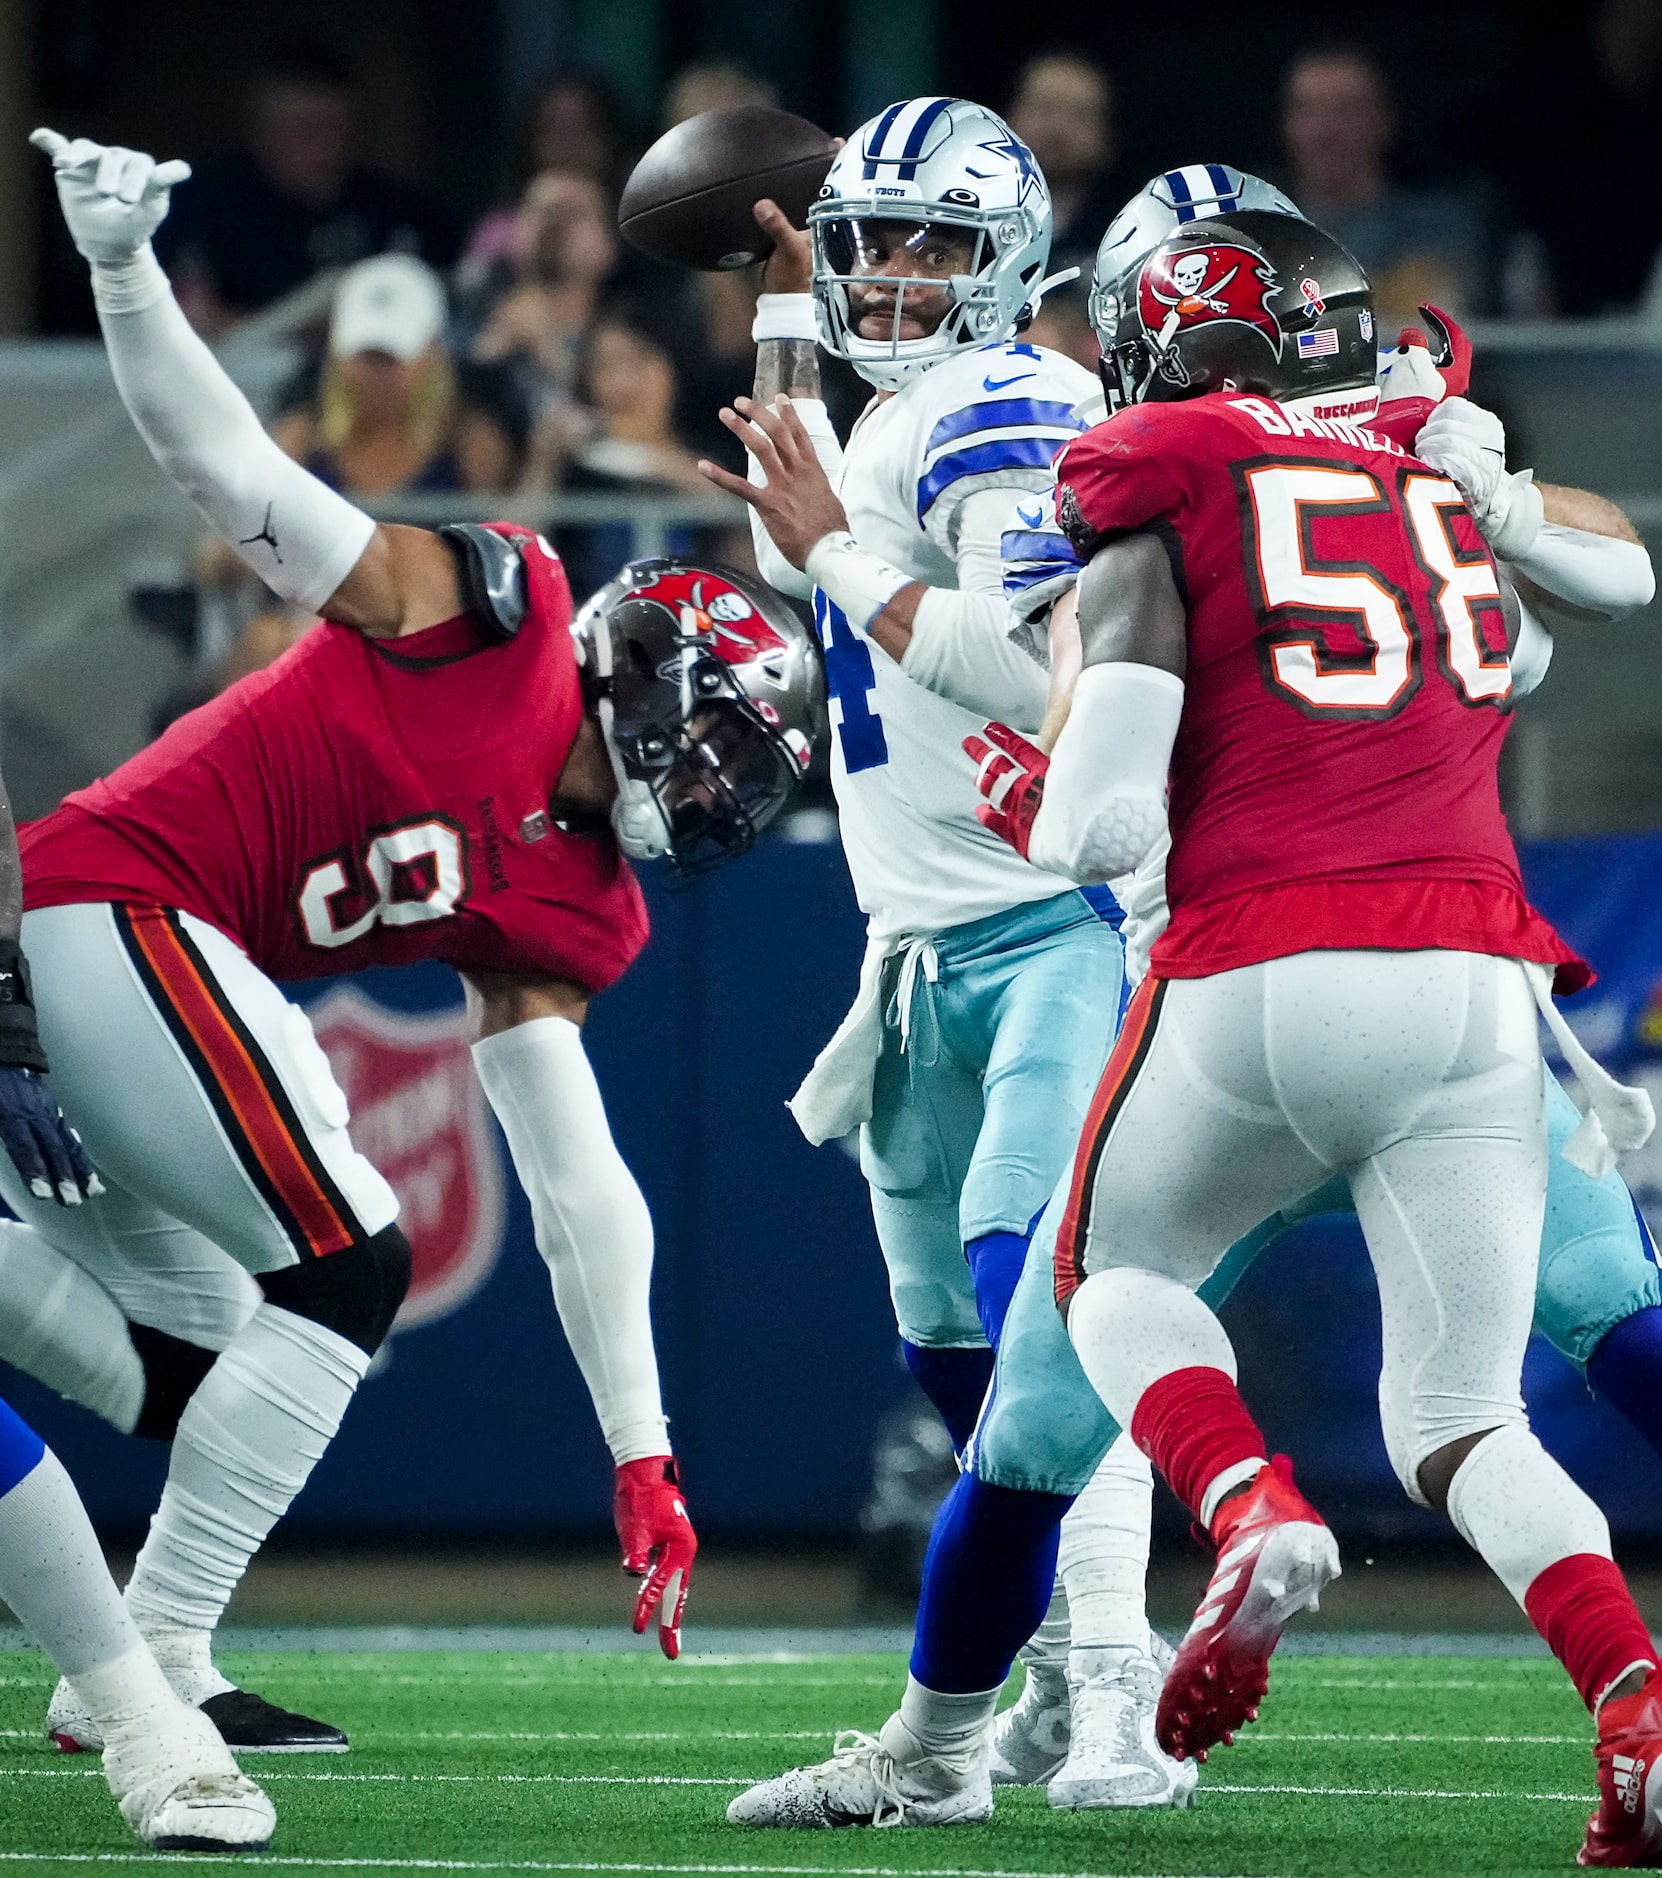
[(850, 679)]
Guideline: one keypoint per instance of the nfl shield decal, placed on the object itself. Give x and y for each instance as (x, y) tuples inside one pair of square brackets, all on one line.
[(419, 1114)]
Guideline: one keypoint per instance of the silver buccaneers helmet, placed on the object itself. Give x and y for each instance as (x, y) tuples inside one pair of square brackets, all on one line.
[(711, 698), (1174, 199)]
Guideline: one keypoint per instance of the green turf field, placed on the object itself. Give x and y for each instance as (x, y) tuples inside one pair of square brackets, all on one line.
[(497, 1762)]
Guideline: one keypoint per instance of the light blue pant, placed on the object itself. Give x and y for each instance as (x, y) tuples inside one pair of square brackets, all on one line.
[(1044, 1428), (975, 1121)]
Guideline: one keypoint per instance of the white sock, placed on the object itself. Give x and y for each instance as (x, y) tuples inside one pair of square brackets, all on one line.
[(53, 1574), (59, 1325), (1104, 1556), (953, 1727), (1519, 1511), (1045, 1654), (247, 1442), (126, 1696)]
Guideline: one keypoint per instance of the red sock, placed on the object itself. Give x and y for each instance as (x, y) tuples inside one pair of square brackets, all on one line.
[(1583, 1608), (1192, 1424)]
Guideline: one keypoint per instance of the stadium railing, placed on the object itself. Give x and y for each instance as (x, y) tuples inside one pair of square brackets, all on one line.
[(85, 517)]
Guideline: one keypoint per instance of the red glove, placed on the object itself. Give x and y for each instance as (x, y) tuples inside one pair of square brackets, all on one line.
[(1420, 374), (1010, 773), (658, 1542)]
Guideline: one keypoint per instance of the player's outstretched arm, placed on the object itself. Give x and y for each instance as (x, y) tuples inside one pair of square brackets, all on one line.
[(305, 541), (1096, 808), (595, 1233), (1580, 558), (43, 1147)]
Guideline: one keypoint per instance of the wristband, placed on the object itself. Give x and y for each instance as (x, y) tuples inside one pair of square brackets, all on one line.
[(861, 584), (19, 1037), (785, 316), (130, 284)]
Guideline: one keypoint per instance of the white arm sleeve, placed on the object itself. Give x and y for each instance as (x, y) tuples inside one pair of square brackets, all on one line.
[(962, 649), (299, 536), (1594, 573), (1104, 806), (961, 645), (770, 563), (1531, 655), (591, 1221)]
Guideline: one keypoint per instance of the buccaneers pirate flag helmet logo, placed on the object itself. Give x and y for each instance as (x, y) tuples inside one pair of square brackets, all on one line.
[(1217, 282)]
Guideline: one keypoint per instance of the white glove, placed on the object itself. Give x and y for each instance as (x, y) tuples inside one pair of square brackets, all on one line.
[(1468, 444), (114, 200)]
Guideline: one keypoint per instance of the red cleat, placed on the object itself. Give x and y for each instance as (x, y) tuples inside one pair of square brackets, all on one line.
[(1274, 1556), (1627, 1829)]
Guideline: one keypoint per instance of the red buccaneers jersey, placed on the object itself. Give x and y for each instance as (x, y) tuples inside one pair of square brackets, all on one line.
[(1334, 778), (368, 802)]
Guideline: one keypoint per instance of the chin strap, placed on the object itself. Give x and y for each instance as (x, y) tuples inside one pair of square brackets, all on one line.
[(637, 821)]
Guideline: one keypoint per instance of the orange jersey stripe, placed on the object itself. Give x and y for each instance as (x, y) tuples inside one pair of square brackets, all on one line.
[(241, 1082), (1127, 1053)]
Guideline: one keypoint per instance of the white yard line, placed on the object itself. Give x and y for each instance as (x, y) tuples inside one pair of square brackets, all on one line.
[(273, 1775), (245, 1860)]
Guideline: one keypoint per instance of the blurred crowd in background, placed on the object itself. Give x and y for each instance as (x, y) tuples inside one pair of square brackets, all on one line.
[(532, 352)]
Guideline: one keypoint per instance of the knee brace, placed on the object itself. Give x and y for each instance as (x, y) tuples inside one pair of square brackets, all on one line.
[(172, 1371), (355, 1293)]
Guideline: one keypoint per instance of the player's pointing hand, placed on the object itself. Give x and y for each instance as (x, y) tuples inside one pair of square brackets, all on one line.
[(113, 200)]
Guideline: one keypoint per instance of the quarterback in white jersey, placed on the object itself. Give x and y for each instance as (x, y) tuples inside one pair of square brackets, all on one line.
[(990, 993)]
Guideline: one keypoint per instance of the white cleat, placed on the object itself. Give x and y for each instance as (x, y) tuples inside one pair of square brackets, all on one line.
[(1114, 1760), (179, 1789), (1030, 1741), (863, 1785)]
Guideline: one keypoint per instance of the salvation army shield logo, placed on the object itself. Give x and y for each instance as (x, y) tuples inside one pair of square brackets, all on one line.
[(419, 1114)]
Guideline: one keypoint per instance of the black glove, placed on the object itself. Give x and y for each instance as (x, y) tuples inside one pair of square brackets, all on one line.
[(47, 1152)]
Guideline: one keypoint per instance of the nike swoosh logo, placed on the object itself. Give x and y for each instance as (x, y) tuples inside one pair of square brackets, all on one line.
[(998, 384), (1033, 520)]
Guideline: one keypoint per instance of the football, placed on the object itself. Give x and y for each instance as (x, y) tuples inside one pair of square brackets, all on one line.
[(689, 199)]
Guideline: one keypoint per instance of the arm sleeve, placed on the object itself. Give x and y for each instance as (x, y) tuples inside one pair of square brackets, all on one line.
[(1104, 806), (591, 1221), (770, 563), (299, 536), (961, 645), (1595, 574)]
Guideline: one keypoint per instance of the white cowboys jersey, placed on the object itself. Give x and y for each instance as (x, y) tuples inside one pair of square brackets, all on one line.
[(986, 421)]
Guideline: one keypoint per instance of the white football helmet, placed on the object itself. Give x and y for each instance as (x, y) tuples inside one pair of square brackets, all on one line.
[(1191, 194), (936, 164)]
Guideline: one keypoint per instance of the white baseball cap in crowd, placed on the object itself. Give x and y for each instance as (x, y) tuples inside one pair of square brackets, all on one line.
[(390, 303)]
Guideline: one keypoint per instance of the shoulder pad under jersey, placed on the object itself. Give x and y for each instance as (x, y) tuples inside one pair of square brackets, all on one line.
[(493, 576)]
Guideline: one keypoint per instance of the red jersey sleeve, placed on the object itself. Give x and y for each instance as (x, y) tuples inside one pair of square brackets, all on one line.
[(1118, 477)]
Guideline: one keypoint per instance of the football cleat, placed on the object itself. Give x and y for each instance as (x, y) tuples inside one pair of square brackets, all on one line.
[(1030, 1741), (180, 1791), (1113, 1758), (1626, 1831), (1275, 1554), (247, 1723), (863, 1784)]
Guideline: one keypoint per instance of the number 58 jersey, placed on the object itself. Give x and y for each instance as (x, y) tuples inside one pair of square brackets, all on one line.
[(1334, 781), (368, 802)]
